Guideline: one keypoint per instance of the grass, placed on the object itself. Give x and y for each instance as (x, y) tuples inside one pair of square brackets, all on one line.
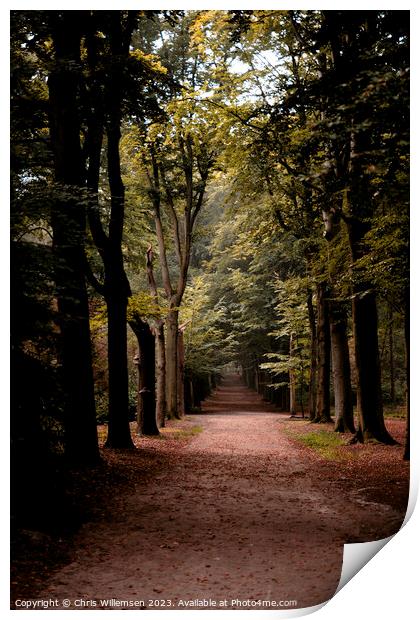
[(180, 433), (323, 442), (326, 443)]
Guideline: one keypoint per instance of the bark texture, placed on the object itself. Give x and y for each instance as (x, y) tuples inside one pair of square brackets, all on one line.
[(181, 365), (172, 364), (160, 375), (146, 401), (313, 366), (292, 378), (366, 346), (343, 398), (323, 357), (159, 333)]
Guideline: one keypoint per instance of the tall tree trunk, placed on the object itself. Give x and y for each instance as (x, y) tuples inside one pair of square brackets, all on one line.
[(69, 224), (117, 291), (160, 375), (117, 288), (172, 364), (407, 372), (323, 357), (119, 435), (146, 402), (256, 377), (159, 333), (391, 357), (313, 366), (343, 398), (366, 347), (188, 393), (181, 364), (292, 378), (191, 391)]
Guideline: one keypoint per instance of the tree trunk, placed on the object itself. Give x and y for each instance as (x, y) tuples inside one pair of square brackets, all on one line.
[(160, 375), (313, 366), (349, 59), (292, 379), (196, 392), (181, 362), (301, 391), (343, 398), (365, 328), (407, 372), (323, 357), (256, 377), (191, 391), (188, 393), (159, 333), (117, 288), (119, 435), (68, 222), (391, 357), (366, 347), (117, 291), (172, 364), (146, 401)]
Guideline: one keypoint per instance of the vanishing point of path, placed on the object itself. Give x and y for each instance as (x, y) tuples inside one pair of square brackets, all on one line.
[(240, 513)]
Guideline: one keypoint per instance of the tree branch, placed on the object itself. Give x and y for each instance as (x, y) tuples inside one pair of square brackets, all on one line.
[(92, 279), (173, 215), (155, 191)]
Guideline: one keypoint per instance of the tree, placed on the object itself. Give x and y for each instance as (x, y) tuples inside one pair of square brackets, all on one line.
[(343, 397), (107, 114), (145, 360), (338, 261), (159, 331), (68, 221), (178, 155), (363, 63)]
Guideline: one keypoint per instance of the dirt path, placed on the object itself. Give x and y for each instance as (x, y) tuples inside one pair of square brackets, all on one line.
[(241, 513)]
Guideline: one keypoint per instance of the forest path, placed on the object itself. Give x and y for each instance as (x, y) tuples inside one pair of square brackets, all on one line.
[(240, 513)]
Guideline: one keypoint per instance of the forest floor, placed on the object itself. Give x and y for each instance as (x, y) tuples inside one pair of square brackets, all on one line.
[(237, 503)]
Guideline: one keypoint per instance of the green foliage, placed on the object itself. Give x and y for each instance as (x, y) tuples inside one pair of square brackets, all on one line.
[(291, 323), (387, 257), (207, 346), (143, 304)]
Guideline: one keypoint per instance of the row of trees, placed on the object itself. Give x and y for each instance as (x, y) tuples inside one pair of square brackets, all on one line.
[(324, 143), (92, 81), (226, 183)]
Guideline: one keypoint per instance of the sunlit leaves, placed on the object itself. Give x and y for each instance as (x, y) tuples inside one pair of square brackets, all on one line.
[(143, 304)]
